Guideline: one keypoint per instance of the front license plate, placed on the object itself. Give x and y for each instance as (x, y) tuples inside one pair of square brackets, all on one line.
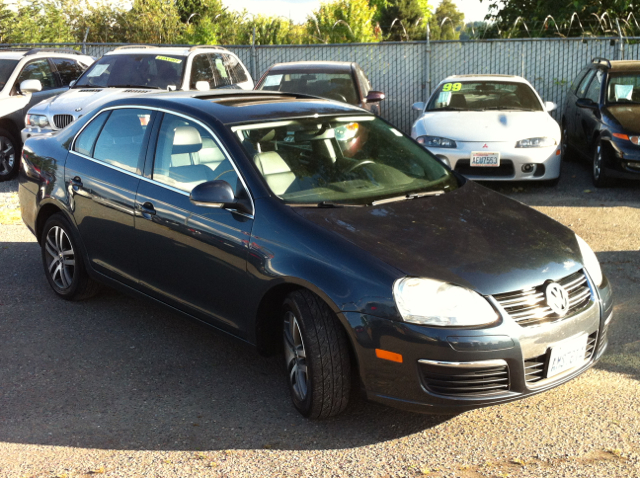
[(485, 158), (566, 355)]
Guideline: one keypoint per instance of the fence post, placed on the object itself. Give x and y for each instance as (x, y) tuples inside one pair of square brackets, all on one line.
[(254, 67), (621, 40), (522, 60), (427, 91), (84, 42)]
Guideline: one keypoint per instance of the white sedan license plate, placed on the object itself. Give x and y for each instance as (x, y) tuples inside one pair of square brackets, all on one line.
[(566, 355), (485, 158)]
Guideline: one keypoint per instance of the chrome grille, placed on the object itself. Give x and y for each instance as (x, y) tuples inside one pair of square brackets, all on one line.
[(529, 306), (535, 367), (465, 382), (62, 120)]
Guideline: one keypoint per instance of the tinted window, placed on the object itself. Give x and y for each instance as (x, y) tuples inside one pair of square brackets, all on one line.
[(134, 70), (201, 71), (86, 140), (187, 155), (484, 95), (576, 81), (582, 89), (68, 70), (593, 92), (38, 70), (6, 68), (335, 86), (121, 139)]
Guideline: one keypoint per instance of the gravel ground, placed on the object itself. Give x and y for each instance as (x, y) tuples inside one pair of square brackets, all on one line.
[(117, 387)]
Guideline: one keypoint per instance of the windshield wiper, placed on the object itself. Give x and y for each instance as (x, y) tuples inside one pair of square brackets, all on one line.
[(87, 86), (517, 108), (136, 86), (448, 108), (407, 196)]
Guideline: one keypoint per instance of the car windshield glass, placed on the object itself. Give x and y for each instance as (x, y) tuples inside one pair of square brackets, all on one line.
[(624, 88), (484, 95), (335, 86), (6, 68), (134, 71), (346, 160)]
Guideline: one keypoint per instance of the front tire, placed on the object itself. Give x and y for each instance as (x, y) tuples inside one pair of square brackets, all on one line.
[(63, 262), (9, 155), (316, 356), (599, 173), (565, 150)]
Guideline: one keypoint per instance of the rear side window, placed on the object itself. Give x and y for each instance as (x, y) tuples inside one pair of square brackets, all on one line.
[(68, 70), (86, 140), (38, 70), (234, 69), (122, 138)]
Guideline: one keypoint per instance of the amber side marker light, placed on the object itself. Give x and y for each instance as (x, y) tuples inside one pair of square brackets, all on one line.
[(386, 355), (620, 136)]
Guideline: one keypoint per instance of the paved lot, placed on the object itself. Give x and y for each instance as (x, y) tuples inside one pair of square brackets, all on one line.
[(117, 387)]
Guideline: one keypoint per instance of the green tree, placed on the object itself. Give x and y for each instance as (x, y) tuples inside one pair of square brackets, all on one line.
[(342, 21), (153, 21), (447, 22), (405, 19)]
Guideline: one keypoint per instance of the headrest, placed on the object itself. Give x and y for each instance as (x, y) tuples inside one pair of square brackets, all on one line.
[(270, 162), (186, 139), (258, 135)]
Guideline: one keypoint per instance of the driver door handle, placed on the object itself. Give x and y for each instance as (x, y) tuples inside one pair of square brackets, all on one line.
[(147, 209)]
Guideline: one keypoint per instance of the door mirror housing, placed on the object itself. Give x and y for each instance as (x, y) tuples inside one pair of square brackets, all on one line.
[(586, 103), (374, 97), (217, 194), (419, 106), (550, 106), (72, 83), (30, 86)]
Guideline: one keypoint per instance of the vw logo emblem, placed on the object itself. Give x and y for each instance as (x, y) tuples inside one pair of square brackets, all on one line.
[(557, 298)]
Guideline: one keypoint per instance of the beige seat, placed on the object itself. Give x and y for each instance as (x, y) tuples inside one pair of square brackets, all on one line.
[(276, 172)]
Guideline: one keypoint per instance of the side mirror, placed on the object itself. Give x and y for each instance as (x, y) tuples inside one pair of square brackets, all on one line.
[(374, 97), (72, 83), (30, 86), (202, 86), (216, 194), (550, 106), (419, 106), (586, 103)]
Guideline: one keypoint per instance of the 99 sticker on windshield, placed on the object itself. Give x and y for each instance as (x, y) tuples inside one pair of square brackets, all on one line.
[(451, 87), (168, 58)]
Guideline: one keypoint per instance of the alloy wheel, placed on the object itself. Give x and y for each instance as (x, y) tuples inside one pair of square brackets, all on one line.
[(60, 257), (563, 142), (295, 356), (597, 163), (7, 156)]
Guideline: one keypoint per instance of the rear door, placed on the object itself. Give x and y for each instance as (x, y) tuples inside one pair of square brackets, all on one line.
[(102, 174), (192, 257)]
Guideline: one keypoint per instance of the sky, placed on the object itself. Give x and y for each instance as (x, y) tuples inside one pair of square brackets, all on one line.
[(298, 10)]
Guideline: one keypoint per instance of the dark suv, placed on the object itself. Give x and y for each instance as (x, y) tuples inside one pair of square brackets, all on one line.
[(601, 119)]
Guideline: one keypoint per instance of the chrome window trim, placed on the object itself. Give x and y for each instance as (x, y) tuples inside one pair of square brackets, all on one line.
[(189, 118), (478, 364)]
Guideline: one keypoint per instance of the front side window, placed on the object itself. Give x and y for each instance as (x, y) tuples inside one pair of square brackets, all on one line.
[(582, 89), (87, 139), (38, 70), (188, 155), (365, 86), (122, 138), (68, 70), (624, 88), (6, 68), (134, 71), (347, 159), (577, 80), (334, 86), (593, 92), (484, 95)]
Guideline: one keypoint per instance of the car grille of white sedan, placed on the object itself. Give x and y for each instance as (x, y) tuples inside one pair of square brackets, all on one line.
[(529, 306), (62, 120)]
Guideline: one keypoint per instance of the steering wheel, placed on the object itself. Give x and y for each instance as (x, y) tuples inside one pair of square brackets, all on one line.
[(357, 165)]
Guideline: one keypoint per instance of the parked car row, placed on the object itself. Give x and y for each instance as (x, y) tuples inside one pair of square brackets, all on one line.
[(313, 228)]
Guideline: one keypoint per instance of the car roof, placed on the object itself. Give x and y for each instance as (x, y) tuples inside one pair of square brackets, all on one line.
[(157, 50), (624, 65), (19, 53), (313, 66), (232, 106)]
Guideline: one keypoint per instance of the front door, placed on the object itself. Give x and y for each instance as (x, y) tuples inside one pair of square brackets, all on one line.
[(588, 119)]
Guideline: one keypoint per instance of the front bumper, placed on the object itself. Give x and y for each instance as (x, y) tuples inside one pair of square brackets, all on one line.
[(625, 161), (504, 354), (31, 131), (516, 164)]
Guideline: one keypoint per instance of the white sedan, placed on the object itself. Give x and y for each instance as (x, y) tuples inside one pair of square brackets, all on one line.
[(492, 128)]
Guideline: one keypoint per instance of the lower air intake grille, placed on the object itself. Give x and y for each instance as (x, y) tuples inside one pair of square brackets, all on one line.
[(62, 120), (461, 381), (506, 170), (529, 306)]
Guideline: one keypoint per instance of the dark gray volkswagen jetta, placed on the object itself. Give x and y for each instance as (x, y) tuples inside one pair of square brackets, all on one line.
[(315, 228)]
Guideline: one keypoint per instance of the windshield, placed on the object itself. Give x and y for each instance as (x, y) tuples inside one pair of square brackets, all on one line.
[(624, 88), (6, 68), (334, 86), (341, 160), (484, 95), (134, 70)]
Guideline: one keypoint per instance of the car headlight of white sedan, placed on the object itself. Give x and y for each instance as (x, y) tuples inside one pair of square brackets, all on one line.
[(539, 142), (430, 302), (436, 142), (37, 120)]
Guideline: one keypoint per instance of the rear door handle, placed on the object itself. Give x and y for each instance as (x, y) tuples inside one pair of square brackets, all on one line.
[(147, 208)]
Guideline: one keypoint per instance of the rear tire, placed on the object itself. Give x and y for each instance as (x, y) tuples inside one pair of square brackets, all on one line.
[(598, 171), (316, 356), (63, 262), (9, 155)]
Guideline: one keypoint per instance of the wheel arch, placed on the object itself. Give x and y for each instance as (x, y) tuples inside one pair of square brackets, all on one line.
[(10, 126)]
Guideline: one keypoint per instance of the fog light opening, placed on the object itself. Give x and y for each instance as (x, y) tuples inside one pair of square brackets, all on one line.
[(528, 168)]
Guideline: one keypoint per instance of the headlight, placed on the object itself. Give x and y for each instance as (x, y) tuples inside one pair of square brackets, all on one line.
[(431, 302), (591, 262), (436, 142), (542, 142), (37, 120)]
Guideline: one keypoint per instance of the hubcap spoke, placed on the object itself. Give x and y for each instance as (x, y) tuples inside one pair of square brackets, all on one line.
[(295, 356), (63, 259)]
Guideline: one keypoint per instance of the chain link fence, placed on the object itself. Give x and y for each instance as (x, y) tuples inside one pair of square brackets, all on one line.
[(407, 71)]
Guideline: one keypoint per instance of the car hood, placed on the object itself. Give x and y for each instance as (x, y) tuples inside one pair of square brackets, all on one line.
[(79, 101), (472, 237), (487, 125), (627, 116)]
